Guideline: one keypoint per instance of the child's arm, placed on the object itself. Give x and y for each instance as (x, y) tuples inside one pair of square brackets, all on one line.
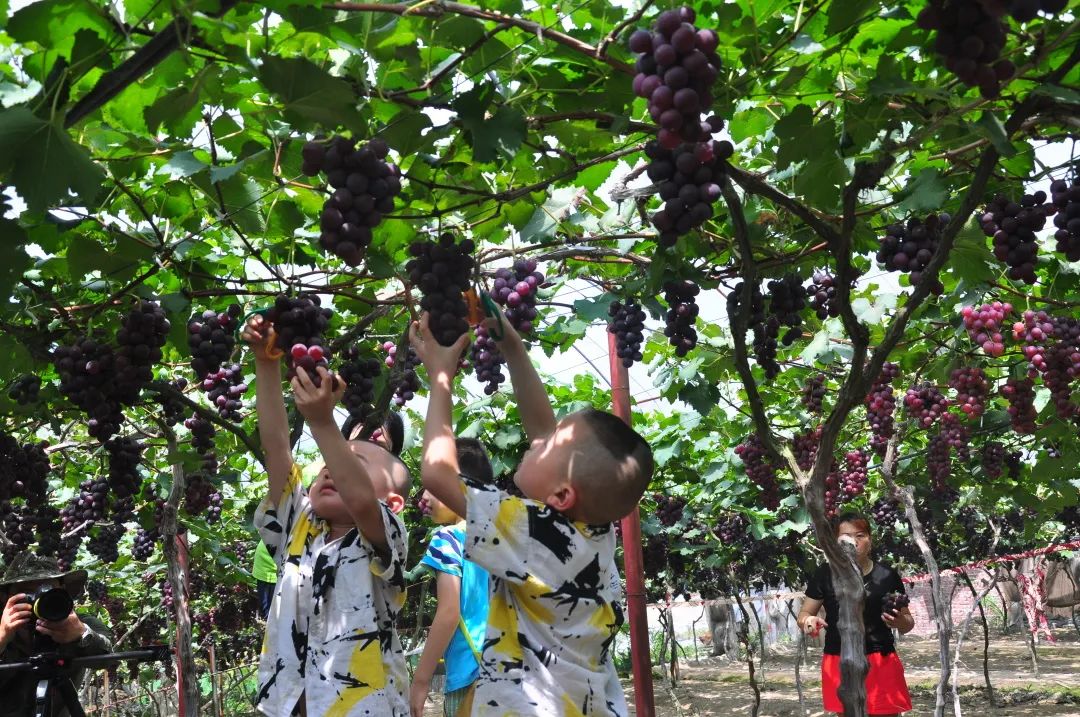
[(447, 616), (533, 403), (270, 408), (350, 472), (439, 469)]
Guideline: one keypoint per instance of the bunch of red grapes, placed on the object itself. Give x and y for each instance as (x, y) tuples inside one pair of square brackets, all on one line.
[(515, 288), (984, 325)]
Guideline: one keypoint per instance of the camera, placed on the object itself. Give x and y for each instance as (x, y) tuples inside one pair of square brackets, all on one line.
[(50, 603)]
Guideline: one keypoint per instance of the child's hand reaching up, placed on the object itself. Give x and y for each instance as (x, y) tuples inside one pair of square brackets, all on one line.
[(258, 333), (316, 403), (440, 361)]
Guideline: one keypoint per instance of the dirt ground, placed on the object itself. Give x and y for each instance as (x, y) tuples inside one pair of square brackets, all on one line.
[(716, 687)]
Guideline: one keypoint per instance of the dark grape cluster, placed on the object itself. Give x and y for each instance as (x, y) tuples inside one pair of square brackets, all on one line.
[(104, 542), (88, 505), (938, 461), (733, 529), (199, 495), (970, 35), (1066, 203), (360, 371), (806, 447), (49, 537), (971, 388), (957, 435), (760, 469), (18, 522), (669, 508), (689, 180), (787, 299), (822, 293), (907, 247), (854, 477), (125, 455), (681, 315), (993, 459), (25, 389), (813, 393), (676, 72), (211, 339), (1020, 394), (515, 288), (213, 509), (1013, 226), (364, 184), (627, 322), (144, 331), (885, 512), (405, 383), (881, 407), (87, 372), (926, 404), (96, 591), (24, 470), (300, 320), (443, 271), (172, 408), (224, 388), (202, 434), (487, 361), (894, 601), (764, 346), (143, 547), (984, 324), (833, 483)]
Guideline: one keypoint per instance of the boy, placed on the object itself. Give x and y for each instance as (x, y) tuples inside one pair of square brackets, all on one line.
[(554, 586), (330, 646), (457, 631)]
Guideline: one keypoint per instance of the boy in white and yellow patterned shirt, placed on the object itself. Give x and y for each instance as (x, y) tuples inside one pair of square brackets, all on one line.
[(555, 589), (330, 648)]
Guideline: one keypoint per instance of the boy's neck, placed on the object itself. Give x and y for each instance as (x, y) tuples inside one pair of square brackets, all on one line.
[(337, 531)]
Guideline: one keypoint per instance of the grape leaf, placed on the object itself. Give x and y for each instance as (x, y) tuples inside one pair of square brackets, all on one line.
[(309, 92)]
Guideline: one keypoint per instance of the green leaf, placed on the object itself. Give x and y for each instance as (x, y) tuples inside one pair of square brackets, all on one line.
[(1059, 93), (183, 164), (309, 92), (54, 23), (991, 127), (970, 259), (17, 125), (48, 164), (927, 192), (842, 15), (13, 260)]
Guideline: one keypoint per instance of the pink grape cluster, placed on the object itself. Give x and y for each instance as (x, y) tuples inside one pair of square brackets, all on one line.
[(805, 447), (984, 325), (516, 290), (926, 404), (224, 388), (971, 389), (309, 358), (881, 406), (993, 459), (676, 72), (760, 470), (408, 383), (855, 475)]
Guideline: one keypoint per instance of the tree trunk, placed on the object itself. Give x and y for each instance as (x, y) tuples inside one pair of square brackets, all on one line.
[(744, 637), (977, 605), (800, 655), (171, 538)]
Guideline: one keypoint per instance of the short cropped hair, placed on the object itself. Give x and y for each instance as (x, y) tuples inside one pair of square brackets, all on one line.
[(394, 427), (856, 519), (473, 460), (609, 489)]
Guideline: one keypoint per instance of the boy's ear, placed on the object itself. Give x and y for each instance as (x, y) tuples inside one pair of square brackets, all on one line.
[(564, 498), (395, 502)]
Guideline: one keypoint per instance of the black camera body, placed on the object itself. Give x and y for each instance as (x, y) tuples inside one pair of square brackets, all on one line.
[(50, 604)]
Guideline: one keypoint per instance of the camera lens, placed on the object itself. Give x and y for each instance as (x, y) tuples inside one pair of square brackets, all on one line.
[(53, 604)]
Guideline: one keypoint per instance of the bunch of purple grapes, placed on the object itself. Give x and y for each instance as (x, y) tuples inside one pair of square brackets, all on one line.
[(676, 72), (854, 477), (926, 404), (894, 601), (1052, 347), (938, 461), (760, 470), (681, 315), (364, 184), (302, 322), (984, 324), (822, 292), (1066, 202), (211, 339), (971, 388), (907, 247), (956, 435), (688, 180), (142, 334), (104, 542), (515, 289), (764, 345), (25, 389), (806, 447), (172, 408), (443, 272), (881, 406), (993, 459), (125, 455), (199, 494), (359, 371), (1020, 394), (87, 371), (224, 388), (628, 324), (885, 512), (970, 35), (833, 481), (669, 508), (1013, 227), (734, 529), (406, 383), (487, 361), (813, 393), (143, 547)]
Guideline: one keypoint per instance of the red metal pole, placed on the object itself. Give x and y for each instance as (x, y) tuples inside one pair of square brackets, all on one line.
[(640, 659)]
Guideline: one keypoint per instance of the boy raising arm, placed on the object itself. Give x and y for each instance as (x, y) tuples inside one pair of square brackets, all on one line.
[(555, 590), (330, 645)]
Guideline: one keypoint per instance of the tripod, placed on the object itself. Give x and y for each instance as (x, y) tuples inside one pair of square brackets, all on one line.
[(53, 674)]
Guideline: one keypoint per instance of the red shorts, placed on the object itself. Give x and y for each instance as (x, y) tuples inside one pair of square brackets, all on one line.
[(886, 688)]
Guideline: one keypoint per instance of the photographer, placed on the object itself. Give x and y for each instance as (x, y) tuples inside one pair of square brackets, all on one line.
[(23, 635)]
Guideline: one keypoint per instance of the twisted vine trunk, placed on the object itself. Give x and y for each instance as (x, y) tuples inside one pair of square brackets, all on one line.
[(172, 539), (744, 638)]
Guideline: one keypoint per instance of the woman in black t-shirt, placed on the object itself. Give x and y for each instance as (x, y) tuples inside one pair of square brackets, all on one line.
[(886, 688)]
